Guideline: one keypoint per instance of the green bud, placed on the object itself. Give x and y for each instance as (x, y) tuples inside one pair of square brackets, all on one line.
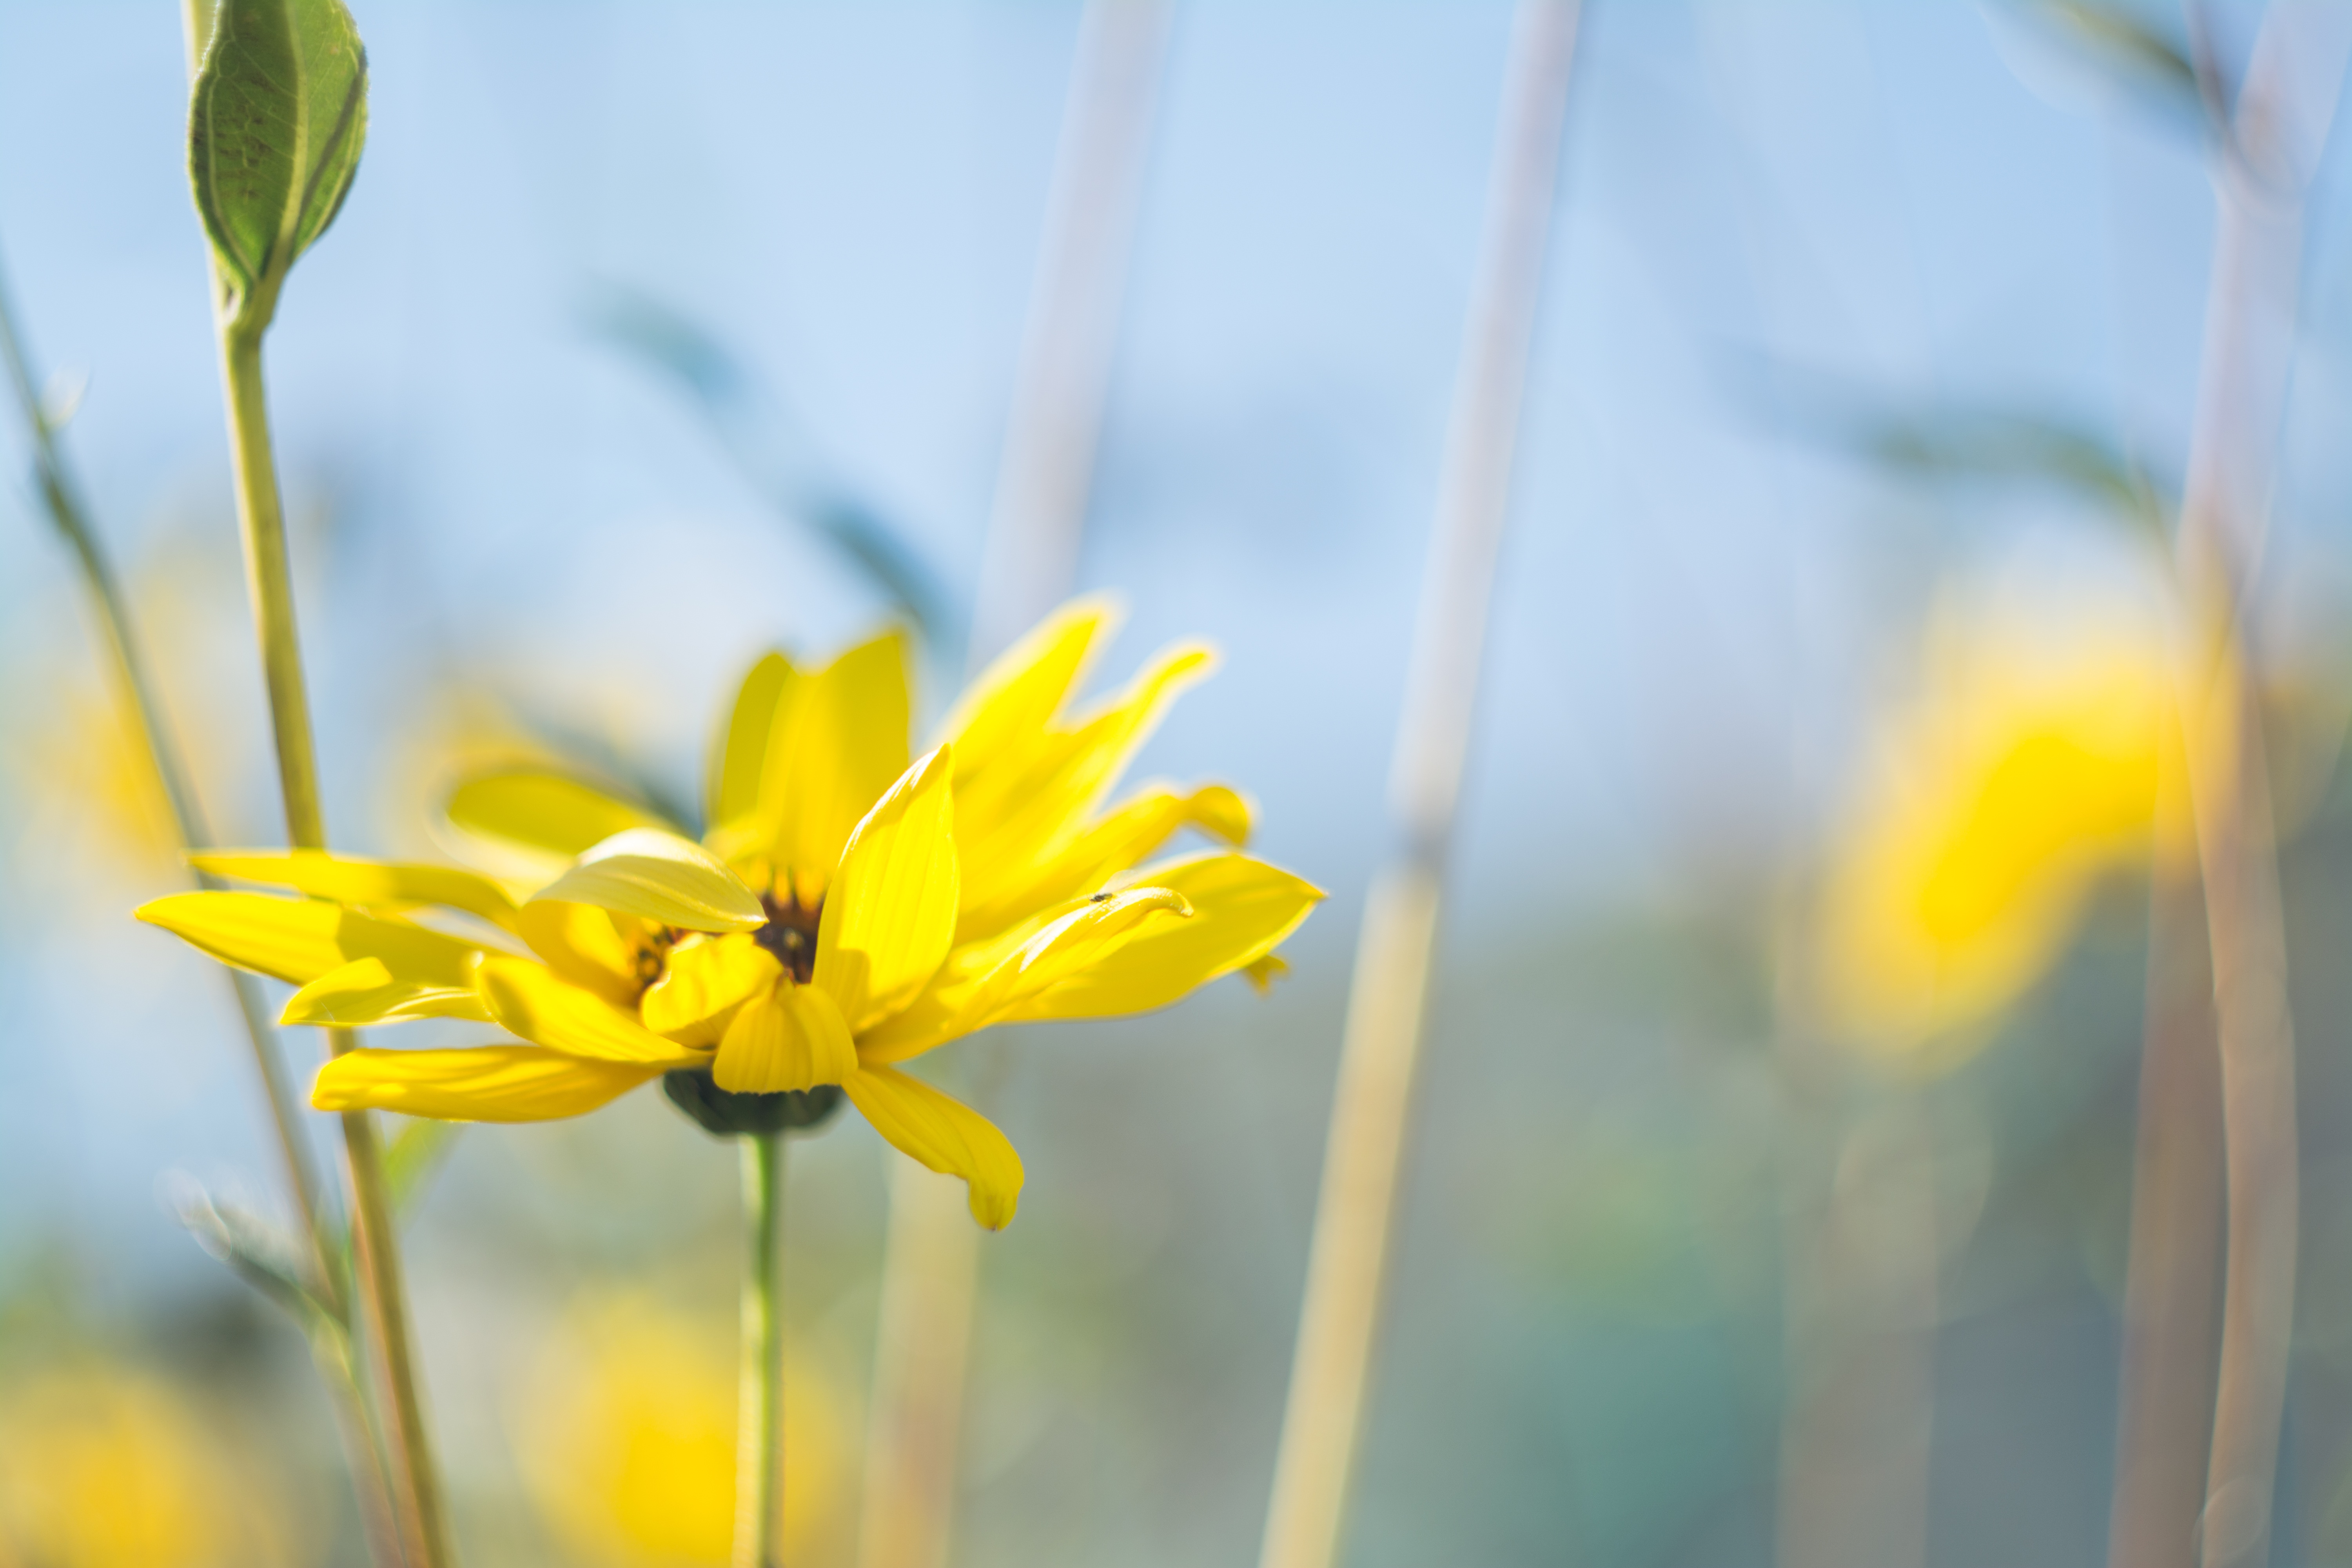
[(723, 1113), (275, 127)]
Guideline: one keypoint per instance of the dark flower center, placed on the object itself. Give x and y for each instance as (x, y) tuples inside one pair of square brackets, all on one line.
[(791, 934)]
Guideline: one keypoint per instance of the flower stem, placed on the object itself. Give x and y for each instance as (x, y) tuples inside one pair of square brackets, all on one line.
[(136, 690), (262, 521), (759, 1418)]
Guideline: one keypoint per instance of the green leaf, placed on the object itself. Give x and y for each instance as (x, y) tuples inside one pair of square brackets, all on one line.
[(276, 124)]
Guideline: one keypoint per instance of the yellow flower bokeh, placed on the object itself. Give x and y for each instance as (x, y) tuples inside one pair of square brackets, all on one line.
[(102, 1466), (2038, 754), (627, 1438)]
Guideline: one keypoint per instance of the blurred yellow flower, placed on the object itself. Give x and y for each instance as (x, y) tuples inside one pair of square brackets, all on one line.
[(2035, 759), (627, 1438), (848, 910), (104, 1468)]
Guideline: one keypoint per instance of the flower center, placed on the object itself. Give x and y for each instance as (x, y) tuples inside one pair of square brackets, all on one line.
[(791, 934)]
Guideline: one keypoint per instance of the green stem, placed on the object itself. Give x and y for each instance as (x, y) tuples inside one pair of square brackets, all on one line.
[(127, 664), (262, 521), (759, 1418)]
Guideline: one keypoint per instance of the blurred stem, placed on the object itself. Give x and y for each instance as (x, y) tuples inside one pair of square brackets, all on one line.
[(135, 689), (1028, 563), (759, 1415), (1381, 1047), (376, 1249), (2166, 1395), (2252, 306)]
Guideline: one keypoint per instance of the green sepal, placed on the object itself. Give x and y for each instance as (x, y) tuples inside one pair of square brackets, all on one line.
[(276, 122), (723, 1113)]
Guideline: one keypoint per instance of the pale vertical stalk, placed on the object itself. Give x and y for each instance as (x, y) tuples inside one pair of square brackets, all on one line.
[(2167, 1375), (261, 522), (1339, 1314), (135, 690), (1863, 1295), (760, 1392), (2273, 142), (931, 1262)]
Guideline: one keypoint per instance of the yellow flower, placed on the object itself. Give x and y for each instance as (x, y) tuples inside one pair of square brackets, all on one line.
[(848, 911), (626, 1440), (103, 1467), (2035, 761)]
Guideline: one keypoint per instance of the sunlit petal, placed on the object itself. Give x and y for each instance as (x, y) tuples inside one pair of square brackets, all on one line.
[(837, 743), (741, 752), (1016, 698), (299, 939), (792, 1038), (662, 877), (544, 817), (585, 945), (944, 1134), (487, 1083), (366, 991), (1115, 842), (349, 881), (703, 986), (890, 916), (529, 1000)]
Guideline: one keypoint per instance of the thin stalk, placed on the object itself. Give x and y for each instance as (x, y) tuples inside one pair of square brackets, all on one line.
[(760, 1407), (2272, 142), (376, 1246), (2167, 1398), (1381, 1047), (931, 1262), (134, 688)]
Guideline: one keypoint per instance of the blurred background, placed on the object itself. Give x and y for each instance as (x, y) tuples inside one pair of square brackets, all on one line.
[(1866, 369)]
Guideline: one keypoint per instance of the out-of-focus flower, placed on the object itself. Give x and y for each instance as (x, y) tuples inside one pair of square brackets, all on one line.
[(2036, 758), (847, 912), (104, 1468), (626, 1437)]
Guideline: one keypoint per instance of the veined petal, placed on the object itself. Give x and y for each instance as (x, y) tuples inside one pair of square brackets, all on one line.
[(299, 939), (792, 1038), (943, 1134), (1067, 945), (743, 749), (488, 1083), (1241, 909), (528, 999), (541, 817), (584, 946), (836, 745), (1113, 843), (704, 984), (365, 992), (347, 880), (1012, 817), (890, 916), (652, 873), (1016, 698)]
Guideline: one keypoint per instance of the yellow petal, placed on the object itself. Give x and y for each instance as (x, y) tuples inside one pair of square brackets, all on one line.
[(584, 946), (1012, 817), (350, 880), (365, 992), (704, 983), (488, 1083), (792, 1038), (837, 743), (299, 939), (743, 749), (943, 1134), (1017, 695), (655, 874), (529, 1000), (1241, 909), (1074, 941), (1114, 843), (542, 818), (890, 916)]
